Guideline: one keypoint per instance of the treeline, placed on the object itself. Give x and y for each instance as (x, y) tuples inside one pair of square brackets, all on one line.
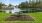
[(24, 5), (29, 5), (2, 4)]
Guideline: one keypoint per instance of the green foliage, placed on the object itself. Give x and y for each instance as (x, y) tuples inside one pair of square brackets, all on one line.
[(0, 10), (10, 5), (25, 5), (1, 4)]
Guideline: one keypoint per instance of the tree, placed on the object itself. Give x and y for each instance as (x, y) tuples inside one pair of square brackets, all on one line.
[(23, 5), (10, 5), (34, 4), (26, 5), (0, 5), (3, 4)]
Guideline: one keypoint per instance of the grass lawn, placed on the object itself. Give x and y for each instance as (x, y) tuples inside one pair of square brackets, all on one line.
[(37, 16)]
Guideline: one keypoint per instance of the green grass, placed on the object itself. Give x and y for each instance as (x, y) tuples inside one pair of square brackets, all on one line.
[(3, 16), (37, 16)]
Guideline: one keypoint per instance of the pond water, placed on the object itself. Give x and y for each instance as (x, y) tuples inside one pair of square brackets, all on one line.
[(16, 10), (13, 11)]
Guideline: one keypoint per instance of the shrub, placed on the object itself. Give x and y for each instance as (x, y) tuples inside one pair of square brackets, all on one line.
[(0, 10)]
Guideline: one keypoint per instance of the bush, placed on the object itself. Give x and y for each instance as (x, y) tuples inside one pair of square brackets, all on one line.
[(0, 10), (9, 12), (24, 11)]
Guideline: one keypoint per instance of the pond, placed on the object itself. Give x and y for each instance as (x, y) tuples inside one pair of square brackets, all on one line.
[(13, 10)]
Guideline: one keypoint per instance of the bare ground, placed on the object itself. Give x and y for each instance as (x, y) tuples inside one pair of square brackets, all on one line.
[(19, 18)]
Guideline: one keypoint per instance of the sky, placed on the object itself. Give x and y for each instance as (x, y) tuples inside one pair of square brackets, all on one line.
[(13, 2)]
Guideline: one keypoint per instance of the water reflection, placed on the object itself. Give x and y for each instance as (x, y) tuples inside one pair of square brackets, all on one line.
[(13, 10)]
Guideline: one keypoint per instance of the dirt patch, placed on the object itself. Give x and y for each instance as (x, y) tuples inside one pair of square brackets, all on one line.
[(19, 18)]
